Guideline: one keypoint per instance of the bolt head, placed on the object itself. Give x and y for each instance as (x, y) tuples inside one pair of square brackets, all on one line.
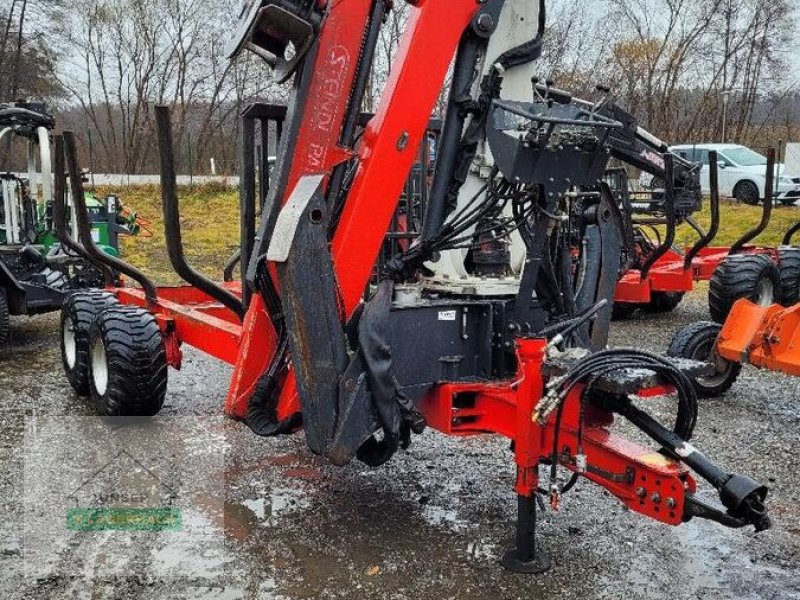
[(485, 22)]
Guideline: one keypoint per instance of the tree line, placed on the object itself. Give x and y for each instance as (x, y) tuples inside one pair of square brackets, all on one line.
[(101, 65)]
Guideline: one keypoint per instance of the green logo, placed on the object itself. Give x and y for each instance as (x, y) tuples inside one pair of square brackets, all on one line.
[(132, 483), (124, 519)]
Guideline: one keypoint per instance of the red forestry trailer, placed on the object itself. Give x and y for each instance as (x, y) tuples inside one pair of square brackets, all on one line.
[(662, 274), (492, 319)]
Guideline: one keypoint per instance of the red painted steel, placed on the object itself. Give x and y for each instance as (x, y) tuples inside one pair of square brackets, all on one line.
[(643, 479), (668, 273), (314, 151), (764, 336)]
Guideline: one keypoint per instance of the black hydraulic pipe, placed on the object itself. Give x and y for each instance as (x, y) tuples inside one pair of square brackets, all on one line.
[(247, 198), (675, 445), (766, 212), (60, 213), (669, 206), (84, 228), (742, 496), (448, 149), (347, 136), (596, 120), (376, 18), (172, 218), (787, 239), (714, 200)]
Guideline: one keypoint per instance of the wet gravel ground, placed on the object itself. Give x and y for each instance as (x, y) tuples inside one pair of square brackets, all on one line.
[(431, 524)]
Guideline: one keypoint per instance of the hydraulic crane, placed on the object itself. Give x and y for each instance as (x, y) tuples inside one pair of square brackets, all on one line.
[(493, 320)]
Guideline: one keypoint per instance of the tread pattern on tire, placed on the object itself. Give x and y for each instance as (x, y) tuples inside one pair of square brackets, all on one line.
[(81, 308), (684, 344), (5, 322), (137, 364), (737, 277), (789, 267)]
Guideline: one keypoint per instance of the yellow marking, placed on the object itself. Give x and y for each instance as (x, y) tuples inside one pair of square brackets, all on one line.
[(655, 459)]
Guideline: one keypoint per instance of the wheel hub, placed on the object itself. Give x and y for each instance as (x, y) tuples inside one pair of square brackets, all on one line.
[(706, 353), (765, 292), (70, 347), (99, 367)]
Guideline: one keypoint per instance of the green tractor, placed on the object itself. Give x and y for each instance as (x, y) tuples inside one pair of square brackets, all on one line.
[(36, 273)]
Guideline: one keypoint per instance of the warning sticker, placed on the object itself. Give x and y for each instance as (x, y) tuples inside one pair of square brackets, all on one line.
[(447, 315), (685, 450)]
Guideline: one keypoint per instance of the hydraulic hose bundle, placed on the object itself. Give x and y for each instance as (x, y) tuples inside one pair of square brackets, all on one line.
[(741, 496), (595, 366)]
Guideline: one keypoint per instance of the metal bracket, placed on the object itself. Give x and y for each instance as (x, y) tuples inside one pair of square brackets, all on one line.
[(289, 217)]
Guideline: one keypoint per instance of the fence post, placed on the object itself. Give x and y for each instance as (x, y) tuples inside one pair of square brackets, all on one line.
[(189, 148), (91, 155)]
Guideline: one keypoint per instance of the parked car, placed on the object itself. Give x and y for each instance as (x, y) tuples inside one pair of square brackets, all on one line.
[(742, 173)]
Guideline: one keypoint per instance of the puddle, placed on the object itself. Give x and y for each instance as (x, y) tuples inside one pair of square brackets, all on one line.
[(271, 510)]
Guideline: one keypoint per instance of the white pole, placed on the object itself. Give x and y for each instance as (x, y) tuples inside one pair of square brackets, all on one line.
[(213, 167), (725, 97), (46, 166)]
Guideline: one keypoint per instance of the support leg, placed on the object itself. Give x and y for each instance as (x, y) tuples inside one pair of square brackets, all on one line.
[(526, 557)]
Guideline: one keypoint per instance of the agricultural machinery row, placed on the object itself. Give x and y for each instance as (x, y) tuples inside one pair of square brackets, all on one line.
[(662, 273), (473, 298), (36, 271)]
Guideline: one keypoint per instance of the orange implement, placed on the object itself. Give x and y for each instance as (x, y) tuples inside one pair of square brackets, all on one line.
[(764, 336)]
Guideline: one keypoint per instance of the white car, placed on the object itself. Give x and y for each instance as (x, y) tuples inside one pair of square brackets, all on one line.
[(742, 173)]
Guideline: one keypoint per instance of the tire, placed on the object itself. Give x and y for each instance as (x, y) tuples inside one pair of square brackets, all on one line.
[(5, 323), (696, 342), (751, 276), (622, 311), (77, 315), (127, 363), (747, 192), (663, 302), (789, 268)]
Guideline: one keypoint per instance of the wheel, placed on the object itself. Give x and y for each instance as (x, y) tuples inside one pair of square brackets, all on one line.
[(751, 276), (77, 315), (128, 364), (663, 302), (696, 342), (747, 192), (622, 311), (789, 268), (5, 324)]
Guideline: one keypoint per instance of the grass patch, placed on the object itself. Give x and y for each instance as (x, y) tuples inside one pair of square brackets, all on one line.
[(736, 219), (210, 225)]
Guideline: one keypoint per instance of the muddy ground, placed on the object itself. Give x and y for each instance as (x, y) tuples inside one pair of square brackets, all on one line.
[(431, 524)]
